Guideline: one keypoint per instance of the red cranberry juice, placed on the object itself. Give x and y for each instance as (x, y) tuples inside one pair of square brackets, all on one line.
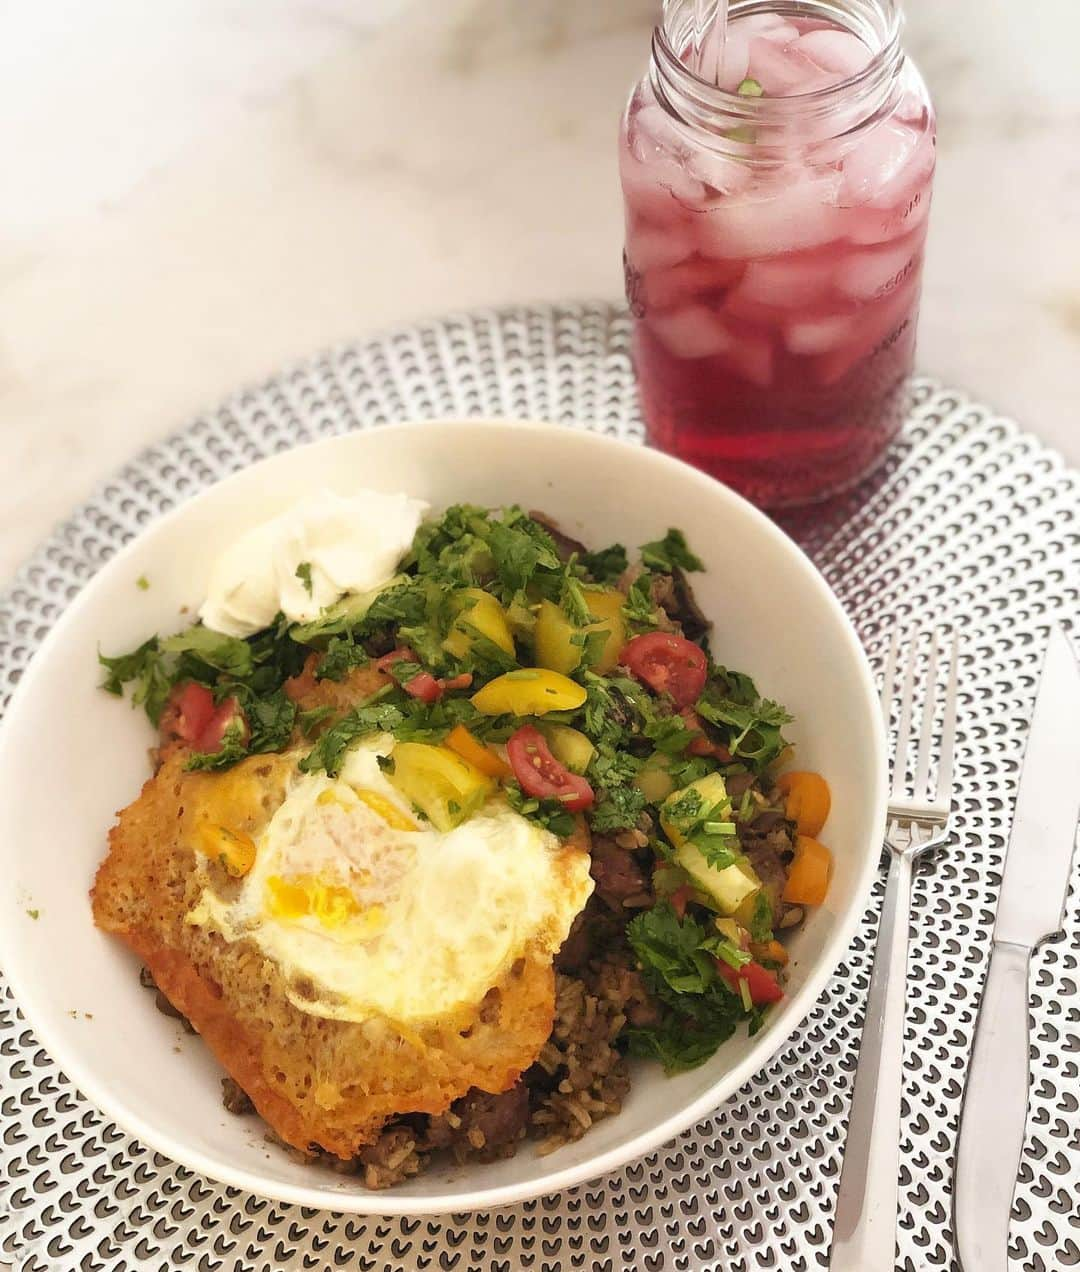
[(776, 304)]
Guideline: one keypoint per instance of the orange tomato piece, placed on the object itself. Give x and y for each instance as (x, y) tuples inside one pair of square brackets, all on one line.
[(806, 800), (808, 877), (769, 952), (482, 757)]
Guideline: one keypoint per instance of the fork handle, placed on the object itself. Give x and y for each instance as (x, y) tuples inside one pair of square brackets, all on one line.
[(864, 1233)]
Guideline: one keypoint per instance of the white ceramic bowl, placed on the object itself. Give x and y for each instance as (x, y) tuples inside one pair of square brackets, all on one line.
[(70, 756)]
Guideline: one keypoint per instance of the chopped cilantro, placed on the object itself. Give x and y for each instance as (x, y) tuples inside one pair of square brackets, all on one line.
[(33, 914), (640, 608), (340, 658), (432, 721), (373, 716), (672, 949), (142, 583), (303, 573), (680, 1044), (619, 804), (309, 721), (751, 725), (222, 653), (147, 668), (670, 551), (572, 601), (271, 721), (669, 734), (608, 565), (232, 750), (548, 813), (677, 959)]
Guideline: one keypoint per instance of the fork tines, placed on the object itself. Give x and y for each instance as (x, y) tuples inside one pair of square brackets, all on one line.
[(924, 664)]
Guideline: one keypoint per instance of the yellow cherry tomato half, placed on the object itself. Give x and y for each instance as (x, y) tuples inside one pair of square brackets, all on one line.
[(479, 612), (530, 692), (443, 786)]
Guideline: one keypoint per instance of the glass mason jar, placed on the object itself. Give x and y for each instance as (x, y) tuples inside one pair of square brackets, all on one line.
[(776, 215)]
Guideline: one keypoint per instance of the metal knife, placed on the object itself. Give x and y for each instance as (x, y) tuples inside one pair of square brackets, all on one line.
[(1031, 907)]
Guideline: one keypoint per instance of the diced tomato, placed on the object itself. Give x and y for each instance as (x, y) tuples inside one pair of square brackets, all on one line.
[(763, 985), (464, 681), (423, 685), (194, 705), (701, 744), (540, 773), (667, 664), (212, 735)]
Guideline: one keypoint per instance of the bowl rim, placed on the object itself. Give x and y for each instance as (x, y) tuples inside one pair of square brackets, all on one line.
[(387, 1202)]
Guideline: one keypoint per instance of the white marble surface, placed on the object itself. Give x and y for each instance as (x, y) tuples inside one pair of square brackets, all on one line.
[(196, 191)]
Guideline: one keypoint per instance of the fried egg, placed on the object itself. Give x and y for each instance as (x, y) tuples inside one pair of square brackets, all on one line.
[(369, 912)]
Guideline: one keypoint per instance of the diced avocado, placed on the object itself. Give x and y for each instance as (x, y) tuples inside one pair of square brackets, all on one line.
[(569, 746), (710, 789), (342, 616), (653, 779), (729, 929), (729, 887)]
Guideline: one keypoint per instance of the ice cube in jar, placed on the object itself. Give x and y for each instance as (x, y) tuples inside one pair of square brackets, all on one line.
[(774, 251)]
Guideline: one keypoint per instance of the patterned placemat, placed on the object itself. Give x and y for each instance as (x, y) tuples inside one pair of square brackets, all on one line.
[(970, 522)]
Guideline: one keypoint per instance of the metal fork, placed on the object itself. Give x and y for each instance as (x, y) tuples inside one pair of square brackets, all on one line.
[(864, 1235)]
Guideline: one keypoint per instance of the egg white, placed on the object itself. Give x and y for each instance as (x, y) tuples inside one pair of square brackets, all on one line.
[(432, 920)]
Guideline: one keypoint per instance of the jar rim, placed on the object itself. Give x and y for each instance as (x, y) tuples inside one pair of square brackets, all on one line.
[(695, 101)]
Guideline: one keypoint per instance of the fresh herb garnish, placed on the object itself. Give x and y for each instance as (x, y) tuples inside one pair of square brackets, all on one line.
[(303, 573), (372, 716), (548, 813), (670, 552), (606, 566), (341, 657), (309, 721), (231, 751), (750, 725), (678, 962)]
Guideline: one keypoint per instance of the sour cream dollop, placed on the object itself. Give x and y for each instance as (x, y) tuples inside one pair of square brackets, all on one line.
[(322, 548)]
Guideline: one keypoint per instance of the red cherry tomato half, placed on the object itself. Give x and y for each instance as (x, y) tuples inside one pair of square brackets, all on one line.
[(213, 733), (540, 773), (667, 664), (191, 716), (764, 987)]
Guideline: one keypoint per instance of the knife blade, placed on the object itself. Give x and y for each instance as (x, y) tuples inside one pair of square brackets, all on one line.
[(1031, 907)]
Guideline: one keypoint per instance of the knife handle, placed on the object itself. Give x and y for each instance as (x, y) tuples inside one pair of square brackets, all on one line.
[(994, 1114)]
